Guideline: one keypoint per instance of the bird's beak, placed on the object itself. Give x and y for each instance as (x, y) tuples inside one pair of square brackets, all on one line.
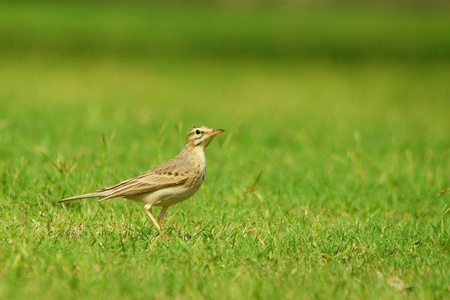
[(216, 131)]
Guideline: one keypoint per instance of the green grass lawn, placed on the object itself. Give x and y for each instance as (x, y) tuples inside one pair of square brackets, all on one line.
[(343, 33), (326, 183)]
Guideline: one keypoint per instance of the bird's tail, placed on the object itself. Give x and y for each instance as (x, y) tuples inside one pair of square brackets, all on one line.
[(90, 195)]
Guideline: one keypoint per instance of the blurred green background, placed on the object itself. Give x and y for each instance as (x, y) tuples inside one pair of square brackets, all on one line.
[(148, 30), (342, 108)]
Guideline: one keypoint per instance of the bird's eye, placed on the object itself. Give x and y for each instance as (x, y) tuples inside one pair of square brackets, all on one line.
[(197, 131)]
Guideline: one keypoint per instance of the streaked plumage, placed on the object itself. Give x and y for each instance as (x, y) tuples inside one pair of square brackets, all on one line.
[(169, 183)]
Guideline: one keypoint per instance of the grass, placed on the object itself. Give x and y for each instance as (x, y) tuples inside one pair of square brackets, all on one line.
[(326, 183), (96, 29)]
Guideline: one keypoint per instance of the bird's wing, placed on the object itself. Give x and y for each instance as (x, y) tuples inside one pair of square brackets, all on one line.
[(146, 182)]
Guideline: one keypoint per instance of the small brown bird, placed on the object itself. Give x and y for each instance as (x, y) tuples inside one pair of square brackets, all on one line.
[(167, 184)]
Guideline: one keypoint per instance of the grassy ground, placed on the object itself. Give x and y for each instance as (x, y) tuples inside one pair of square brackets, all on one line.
[(204, 31), (325, 184)]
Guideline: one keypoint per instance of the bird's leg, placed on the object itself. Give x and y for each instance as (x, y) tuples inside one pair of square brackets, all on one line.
[(147, 210), (161, 215)]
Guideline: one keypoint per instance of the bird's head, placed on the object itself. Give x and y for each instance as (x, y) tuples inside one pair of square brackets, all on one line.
[(201, 136)]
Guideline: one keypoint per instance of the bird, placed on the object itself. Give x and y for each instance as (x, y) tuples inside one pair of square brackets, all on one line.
[(168, 183)]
